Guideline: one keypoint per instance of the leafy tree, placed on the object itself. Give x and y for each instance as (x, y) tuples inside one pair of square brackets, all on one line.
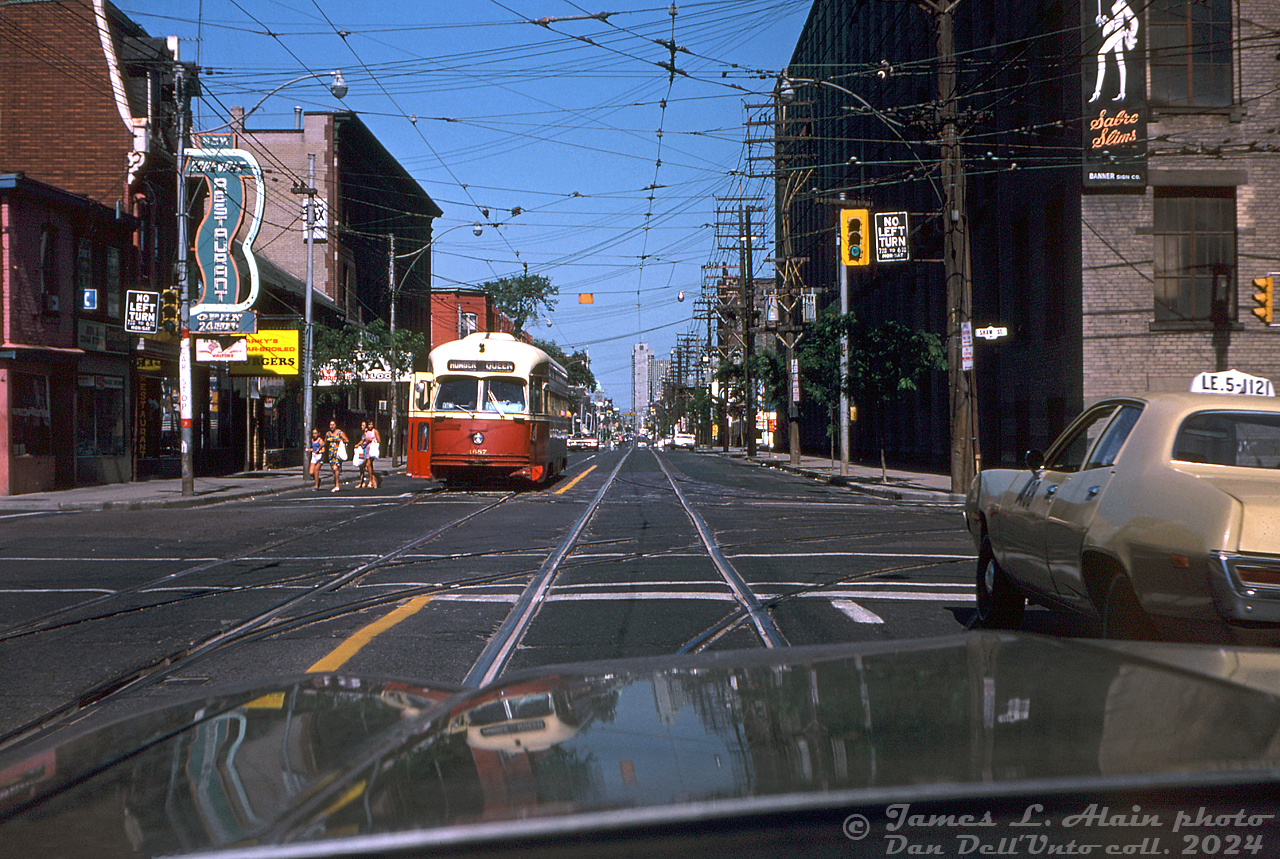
[(577, 365), (518, 297), (349, 350), (884, 359)]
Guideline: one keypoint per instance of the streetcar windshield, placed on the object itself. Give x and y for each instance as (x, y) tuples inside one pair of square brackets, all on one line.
[(458, 394), (469, 394), (503, 395)]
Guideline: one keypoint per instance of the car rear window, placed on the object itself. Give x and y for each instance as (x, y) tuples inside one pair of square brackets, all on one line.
[(1243, 439)]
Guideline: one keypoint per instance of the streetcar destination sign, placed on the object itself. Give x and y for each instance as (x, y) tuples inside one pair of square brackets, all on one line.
[(891, 237), (469, 366)]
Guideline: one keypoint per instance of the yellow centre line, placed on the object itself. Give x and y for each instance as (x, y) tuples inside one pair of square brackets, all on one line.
[(349, 648), (569, 485)]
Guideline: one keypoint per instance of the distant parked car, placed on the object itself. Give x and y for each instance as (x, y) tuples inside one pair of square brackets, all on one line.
[(1159, 515), (682, 439), (582, 441)]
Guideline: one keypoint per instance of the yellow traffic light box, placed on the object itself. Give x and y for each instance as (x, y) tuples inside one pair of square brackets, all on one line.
[(169, 310), (855, 228), (1264, 298)]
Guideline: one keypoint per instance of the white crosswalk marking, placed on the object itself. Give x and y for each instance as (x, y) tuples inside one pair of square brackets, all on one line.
[(857, 613)]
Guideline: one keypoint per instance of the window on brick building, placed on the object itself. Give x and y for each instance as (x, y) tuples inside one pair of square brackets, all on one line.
[(1195, 255), (111, 282), (48, 260), (1190, 46), (87, 294)]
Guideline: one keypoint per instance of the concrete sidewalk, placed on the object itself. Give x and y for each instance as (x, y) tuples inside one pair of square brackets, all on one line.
[(149, 494), (893, 483)]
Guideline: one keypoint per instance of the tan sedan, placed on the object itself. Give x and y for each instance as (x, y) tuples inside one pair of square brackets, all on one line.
[(1157, 514)]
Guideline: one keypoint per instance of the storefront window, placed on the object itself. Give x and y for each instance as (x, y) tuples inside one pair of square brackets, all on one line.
[(158, 419), (31, 427), (100, 415)]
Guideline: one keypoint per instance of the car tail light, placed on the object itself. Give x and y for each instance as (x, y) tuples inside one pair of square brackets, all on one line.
[(1251, 574)]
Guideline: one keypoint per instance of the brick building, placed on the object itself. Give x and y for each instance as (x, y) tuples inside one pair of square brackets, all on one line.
[(364, 197), (88, 104), (459, 311), (62, 389), (1115, 236)]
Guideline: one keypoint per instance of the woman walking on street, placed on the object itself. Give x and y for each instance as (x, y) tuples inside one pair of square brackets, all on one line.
[(317, 454), (372, 444), (362, 453), (335, 451)]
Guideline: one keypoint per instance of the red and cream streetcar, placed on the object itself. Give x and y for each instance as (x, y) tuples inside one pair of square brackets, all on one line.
[(489, 407)]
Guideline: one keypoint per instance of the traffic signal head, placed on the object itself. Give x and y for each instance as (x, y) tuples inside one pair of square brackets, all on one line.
[(854, 229), (169, 310), (1264, 298)]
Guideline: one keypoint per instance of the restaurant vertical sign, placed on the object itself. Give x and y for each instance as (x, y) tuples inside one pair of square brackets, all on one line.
[(227, 294), (1114, 90)]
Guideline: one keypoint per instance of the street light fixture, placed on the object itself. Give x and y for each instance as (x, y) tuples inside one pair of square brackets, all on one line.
[(337, 87)]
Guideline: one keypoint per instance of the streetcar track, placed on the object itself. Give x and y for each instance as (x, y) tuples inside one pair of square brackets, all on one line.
[(503, 643), (266, 622), (273, 621), (733, 620), (759, 616), (42, 622), (45, 622), (497, 652)]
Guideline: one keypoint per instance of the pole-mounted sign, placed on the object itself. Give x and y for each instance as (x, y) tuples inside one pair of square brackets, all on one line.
[(891, 237), (225, 305), (141, 312)]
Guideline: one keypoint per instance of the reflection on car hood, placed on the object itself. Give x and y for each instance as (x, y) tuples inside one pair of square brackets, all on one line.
[(329, 757)]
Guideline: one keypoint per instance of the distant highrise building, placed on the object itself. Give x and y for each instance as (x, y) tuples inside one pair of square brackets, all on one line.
[(641, 381), (660, 368)]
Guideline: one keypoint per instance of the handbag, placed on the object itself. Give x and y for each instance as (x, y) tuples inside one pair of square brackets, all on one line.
[(342, 451)]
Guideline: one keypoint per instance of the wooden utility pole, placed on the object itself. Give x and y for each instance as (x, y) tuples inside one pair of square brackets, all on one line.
[(959, 283), (747, 291)]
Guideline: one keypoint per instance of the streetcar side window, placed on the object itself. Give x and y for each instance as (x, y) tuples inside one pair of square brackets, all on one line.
[(536, 406), (458, 395), (504, 395)]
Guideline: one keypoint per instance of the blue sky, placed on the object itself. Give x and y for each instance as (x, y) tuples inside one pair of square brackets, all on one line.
[(613, 161)]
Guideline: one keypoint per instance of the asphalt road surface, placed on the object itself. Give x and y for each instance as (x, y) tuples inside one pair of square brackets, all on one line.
[(633, 553)]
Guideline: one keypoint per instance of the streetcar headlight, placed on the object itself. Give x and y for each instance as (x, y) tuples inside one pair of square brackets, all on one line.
[(477, 438)]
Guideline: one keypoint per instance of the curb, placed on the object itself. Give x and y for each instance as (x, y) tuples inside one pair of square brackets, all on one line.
[(175, 503), (879, 491), (179, 503)]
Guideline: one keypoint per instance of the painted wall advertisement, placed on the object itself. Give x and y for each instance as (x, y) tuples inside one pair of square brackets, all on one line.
[(1115, 106), (227, 294)]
